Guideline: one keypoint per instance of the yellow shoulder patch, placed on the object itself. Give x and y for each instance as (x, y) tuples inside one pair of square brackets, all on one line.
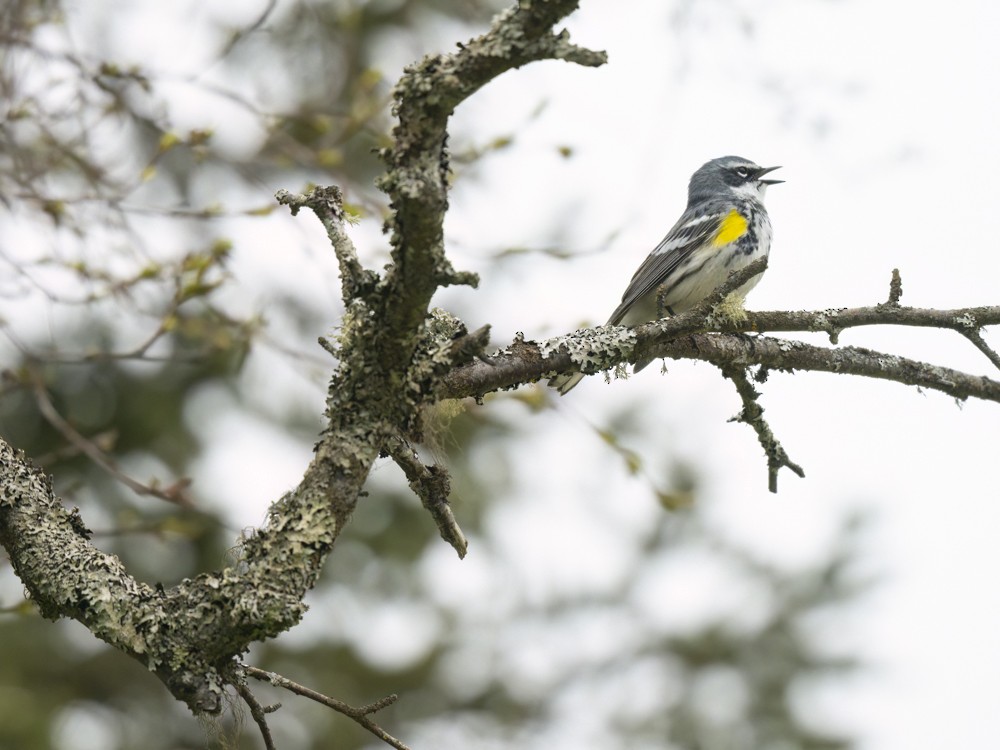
[(731, 229)]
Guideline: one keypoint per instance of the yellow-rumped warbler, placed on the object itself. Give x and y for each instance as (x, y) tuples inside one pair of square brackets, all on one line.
[(723, 229)]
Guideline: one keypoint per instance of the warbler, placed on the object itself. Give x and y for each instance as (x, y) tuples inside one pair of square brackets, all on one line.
[(723, 229)]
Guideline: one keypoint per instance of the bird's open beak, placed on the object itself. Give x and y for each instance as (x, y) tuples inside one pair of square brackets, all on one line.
[(763, 172)]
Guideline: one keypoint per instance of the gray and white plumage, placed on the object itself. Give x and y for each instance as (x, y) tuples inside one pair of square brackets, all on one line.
[(724, 228)]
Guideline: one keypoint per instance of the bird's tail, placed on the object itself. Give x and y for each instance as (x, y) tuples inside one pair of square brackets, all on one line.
[(565, 383), (640, 363)]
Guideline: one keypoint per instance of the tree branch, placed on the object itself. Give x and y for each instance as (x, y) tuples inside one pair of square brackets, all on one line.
[(835, 321), (688, 337), (753, 415), (361, 715), (258, 712), (432, 485), (328, 205), (390, 356), (702, 334), (977, 340), (176, 492), (416, 179), (188, 633)]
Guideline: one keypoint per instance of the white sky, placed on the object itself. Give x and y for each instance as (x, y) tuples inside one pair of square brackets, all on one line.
[(884, 115)]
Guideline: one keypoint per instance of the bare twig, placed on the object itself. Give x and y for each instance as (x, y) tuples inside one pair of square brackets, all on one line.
[(176, 493), (432, 485), (327, 346), (360, 715), (240, 34), (258, 712), (753, 415), (469, 346), (973, 335)]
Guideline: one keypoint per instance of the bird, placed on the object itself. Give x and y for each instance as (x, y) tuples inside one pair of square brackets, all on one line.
[(723, 229)]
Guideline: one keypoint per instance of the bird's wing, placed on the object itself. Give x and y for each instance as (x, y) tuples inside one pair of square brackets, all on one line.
[(690, 231)]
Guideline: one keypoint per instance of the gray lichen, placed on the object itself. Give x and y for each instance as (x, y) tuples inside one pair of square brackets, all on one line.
[(593, 349)]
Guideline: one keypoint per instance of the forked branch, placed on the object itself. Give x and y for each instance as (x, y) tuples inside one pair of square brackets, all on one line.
[(362, 715)]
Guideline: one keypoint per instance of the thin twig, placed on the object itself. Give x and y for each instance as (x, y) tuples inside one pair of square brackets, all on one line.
[(753, 415), (432, 485), (241, 34), (258, 712), (976, 338), (360, 715), (176, 493), (328, 347)]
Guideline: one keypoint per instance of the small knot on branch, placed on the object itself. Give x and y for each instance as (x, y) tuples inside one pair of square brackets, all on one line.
[(460, 278), (469, 346), (895, 288)]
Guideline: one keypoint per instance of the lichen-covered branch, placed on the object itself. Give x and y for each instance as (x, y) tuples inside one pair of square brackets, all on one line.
[(391, 354), (752, 414), (328, 205), (416, 179), (188, 633), (685, 337), (835, 321), (703, 334), (433, 486), (593, 350)]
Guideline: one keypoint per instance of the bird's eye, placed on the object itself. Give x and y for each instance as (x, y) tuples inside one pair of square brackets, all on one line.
[(742, 172)]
